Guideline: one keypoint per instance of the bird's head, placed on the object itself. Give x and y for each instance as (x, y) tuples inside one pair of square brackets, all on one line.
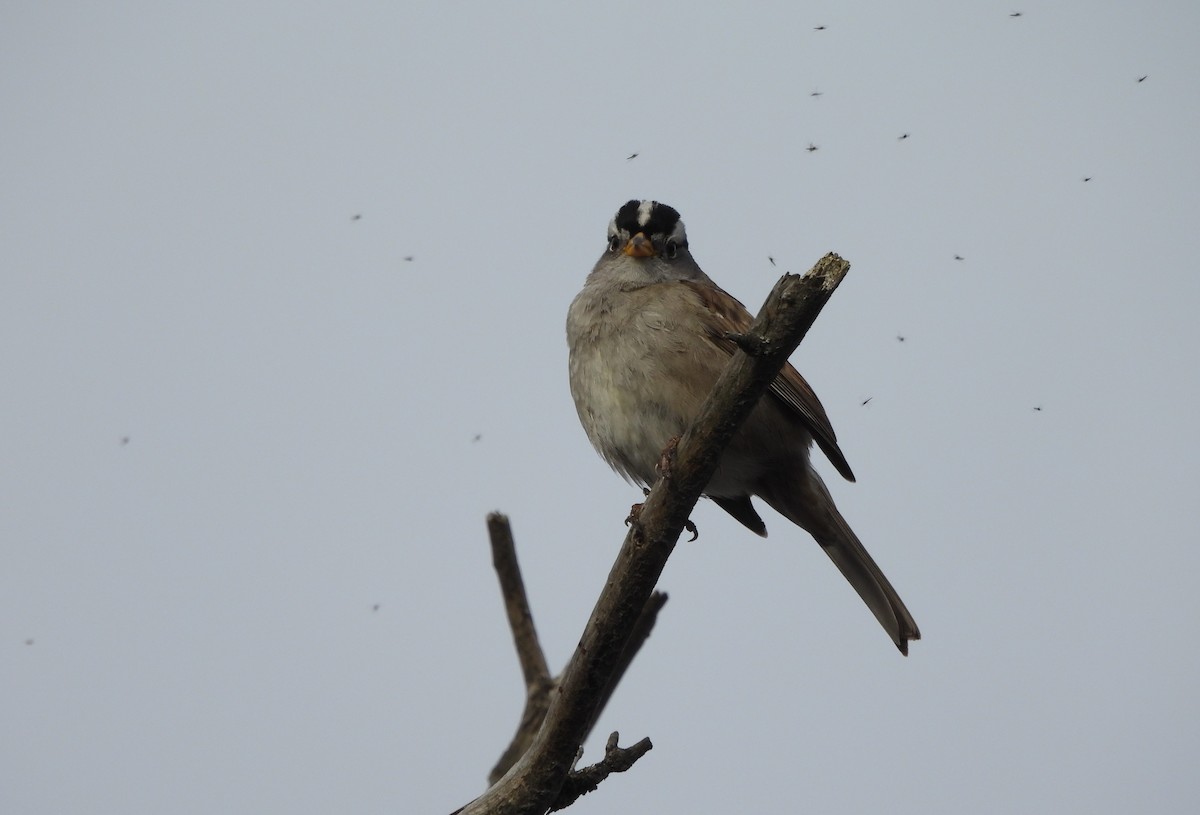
[(647, 243)]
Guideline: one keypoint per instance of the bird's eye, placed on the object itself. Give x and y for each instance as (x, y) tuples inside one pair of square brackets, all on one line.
[(612, 243), (672, 250)]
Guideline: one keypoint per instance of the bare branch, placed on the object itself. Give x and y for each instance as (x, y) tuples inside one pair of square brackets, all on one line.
[(538, 683), (534, 783), (616, 760), (529, 650), (516, 604), (641, 633)]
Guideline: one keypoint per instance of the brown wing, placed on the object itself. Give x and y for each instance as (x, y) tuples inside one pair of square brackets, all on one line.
[(789, 387)]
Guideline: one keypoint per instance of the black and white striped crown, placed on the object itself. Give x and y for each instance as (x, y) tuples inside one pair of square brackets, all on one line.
[(650, 218)]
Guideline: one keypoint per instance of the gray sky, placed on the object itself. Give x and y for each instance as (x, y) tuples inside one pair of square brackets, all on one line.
[(186, 618)]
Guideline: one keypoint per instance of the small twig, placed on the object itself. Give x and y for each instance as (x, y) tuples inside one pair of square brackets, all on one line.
[(616, 760), (752, 344)]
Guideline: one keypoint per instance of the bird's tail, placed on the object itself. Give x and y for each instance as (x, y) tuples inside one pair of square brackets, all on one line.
[(810, 506)]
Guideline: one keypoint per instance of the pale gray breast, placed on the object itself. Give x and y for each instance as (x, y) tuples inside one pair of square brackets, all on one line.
[(633, 373)]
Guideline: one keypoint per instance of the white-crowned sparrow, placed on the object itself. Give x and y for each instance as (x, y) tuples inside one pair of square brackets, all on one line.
[(648, 338)]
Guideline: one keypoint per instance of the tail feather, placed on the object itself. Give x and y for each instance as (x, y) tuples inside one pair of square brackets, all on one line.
[(852, 559), (810, 506)]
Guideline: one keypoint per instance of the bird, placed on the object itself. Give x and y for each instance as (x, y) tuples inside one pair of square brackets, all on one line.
[(812, 148), (817, 93), (631, 156), (902, 137), (1143, 78), (818, 28), (647, 337), (771, 259)]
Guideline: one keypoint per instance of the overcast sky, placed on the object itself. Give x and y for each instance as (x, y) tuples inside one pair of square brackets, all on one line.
[(282, 292)]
